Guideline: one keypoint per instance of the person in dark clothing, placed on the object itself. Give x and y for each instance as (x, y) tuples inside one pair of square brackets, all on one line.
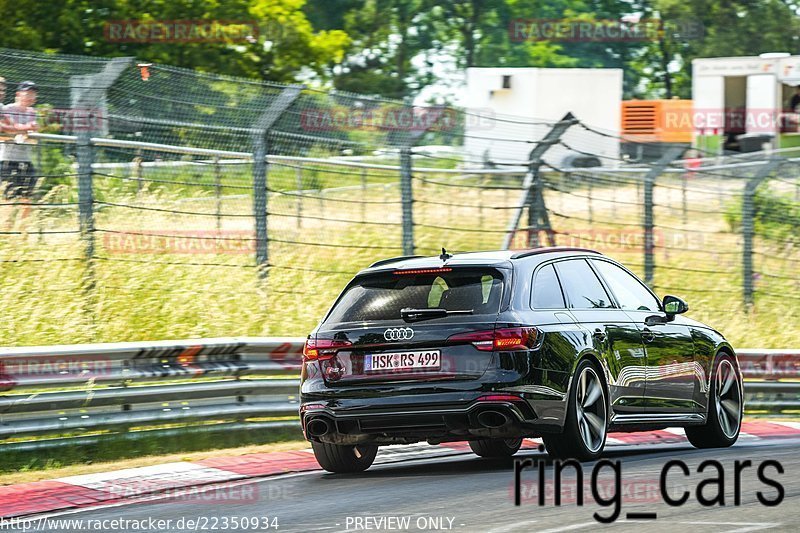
[(795, 101)]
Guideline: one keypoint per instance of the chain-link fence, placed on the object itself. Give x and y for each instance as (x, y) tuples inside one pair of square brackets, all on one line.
[(175, 203)]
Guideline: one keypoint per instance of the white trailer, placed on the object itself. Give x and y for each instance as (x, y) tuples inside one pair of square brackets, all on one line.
[(516, 96), (734, 96)]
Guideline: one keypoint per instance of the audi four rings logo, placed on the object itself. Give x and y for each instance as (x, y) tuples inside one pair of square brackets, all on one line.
[(398, 334)]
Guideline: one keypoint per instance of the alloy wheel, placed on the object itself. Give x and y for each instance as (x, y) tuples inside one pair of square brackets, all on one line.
[(728, 399), (590, 404)]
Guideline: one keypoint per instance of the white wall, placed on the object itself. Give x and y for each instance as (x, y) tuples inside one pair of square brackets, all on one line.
[(593, 95)]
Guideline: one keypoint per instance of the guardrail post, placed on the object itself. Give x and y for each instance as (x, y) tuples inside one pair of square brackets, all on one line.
[(533, 188), (649, 220), (748, 226), (262, 127)]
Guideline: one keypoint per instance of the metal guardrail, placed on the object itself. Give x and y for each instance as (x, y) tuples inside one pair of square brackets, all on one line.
[(67, 393), (71, 390)]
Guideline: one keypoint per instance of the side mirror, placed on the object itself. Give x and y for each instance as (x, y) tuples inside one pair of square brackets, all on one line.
[(674, 306)]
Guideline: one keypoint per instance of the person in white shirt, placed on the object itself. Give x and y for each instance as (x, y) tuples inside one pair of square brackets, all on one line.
[(17, 120)]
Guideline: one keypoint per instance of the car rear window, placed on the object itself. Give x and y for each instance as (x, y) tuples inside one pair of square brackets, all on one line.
[(377, 297)]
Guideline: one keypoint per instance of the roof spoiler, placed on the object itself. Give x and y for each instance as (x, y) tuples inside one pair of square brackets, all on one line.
[(535, 251), (394, 260)]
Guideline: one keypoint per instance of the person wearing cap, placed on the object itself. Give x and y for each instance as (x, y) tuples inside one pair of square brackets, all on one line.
[(17, 120)]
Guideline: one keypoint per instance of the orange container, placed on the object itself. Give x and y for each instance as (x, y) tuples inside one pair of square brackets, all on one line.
[(657, 121)]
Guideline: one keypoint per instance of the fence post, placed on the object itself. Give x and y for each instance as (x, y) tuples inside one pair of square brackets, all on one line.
[(298, 175), (532, 195), (649, 220), (261, 129), (138, 171), (406, 173), (218, 192), (407, 200), (85, 156), (89, 91), (363, 194), (748, 225)]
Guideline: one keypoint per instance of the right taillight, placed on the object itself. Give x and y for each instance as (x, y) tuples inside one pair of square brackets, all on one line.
[(323, 348), (505, 339)]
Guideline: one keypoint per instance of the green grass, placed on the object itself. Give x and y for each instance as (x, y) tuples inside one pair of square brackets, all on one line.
[(112, 448), (50, 295), (135, 296)]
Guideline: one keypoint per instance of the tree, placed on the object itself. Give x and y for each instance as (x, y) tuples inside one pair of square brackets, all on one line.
[(387, 37), (286, 48), (711, 28)]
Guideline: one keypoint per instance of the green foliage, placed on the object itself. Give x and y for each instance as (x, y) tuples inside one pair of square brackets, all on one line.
[(729, 28), (286, 45), (776, 216), (141, 294), (395, 48)]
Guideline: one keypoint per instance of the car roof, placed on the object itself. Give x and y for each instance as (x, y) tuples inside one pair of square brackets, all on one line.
[(494, 258)]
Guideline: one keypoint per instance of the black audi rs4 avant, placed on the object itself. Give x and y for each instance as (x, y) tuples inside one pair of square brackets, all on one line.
[(564, 344)]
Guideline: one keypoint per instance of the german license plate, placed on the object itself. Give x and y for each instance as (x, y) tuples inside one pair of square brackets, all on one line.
[(397, 361)]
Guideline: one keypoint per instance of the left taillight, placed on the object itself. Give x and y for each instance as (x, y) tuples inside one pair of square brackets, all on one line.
[(323, 348), (505, 339)]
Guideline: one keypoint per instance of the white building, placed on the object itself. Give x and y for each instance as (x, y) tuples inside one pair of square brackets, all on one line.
[(736, 95), (518, 95)]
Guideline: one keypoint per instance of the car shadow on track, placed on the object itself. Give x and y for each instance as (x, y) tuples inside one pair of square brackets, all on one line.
[(468, 463)]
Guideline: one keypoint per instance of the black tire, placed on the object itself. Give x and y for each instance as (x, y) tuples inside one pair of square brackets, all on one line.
[(587, 424), (720, 429), (344, 459), (495, 447)]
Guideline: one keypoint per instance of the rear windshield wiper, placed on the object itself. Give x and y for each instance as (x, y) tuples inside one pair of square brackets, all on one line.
[(414, 315)]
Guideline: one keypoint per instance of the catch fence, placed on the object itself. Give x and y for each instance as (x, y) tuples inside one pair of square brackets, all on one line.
[(171, 202)]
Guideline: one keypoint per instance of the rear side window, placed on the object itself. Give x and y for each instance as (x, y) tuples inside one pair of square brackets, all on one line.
[(630, 292), (382, 296), (546, 290), (581, 286)]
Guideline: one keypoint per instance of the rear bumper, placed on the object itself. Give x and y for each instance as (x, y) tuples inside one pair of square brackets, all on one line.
[(392, 422)]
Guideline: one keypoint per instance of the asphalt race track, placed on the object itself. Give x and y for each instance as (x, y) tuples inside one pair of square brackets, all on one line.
[(466, 493)]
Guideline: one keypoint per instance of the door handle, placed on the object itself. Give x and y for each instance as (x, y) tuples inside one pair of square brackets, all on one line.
[(648, 335), (599, 335)]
